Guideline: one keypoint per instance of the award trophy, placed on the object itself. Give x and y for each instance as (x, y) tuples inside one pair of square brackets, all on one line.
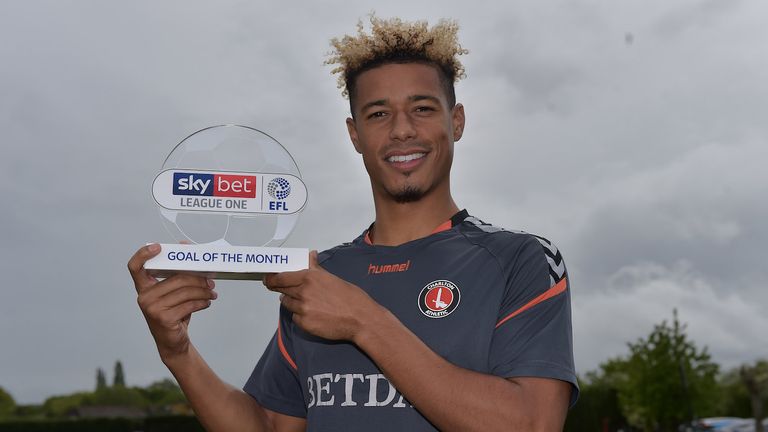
[(230, 195)]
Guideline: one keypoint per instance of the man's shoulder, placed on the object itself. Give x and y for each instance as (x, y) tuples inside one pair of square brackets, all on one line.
[(507, 244), (329, 253), (481, 232)]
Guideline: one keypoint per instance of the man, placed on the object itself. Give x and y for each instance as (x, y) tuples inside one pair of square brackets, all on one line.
[(430, 319)]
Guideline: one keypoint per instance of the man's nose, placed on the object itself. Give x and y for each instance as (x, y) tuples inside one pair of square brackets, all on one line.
[(402, 127)]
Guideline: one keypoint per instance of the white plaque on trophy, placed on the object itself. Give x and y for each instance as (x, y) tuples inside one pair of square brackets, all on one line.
[(230, 195)]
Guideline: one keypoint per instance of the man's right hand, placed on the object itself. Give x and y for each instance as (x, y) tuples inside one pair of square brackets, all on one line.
[(168, 305)]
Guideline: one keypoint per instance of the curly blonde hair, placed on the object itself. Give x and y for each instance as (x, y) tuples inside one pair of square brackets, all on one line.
[(397, 41)]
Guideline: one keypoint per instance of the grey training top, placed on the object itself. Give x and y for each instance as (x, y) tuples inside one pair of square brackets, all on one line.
[(485, 299)]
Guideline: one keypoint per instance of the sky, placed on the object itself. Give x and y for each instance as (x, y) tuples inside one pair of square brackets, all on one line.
[(630, 133)]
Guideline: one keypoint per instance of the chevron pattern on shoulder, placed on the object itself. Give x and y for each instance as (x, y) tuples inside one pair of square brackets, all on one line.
[(555, 260), (482, 225)]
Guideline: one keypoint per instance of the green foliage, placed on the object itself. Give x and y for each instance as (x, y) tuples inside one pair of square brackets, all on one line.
[(60, 406), (119, 379), (734, 397), (101, 379), (161, 398), (84, 425), (7, 404), (32, 412), (154, 398), (665, 380), (755, 380), (151, 424), (163, 392), (118, 395), (598, 406)]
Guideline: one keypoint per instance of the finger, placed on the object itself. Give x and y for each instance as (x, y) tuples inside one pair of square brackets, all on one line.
[(174, 283), (284, 279), (136, 265), (169, 310), (293, 291), (183, 295), (290, 303), (185, 309), (313, 260)]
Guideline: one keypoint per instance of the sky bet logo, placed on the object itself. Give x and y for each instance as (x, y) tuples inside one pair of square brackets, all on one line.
[(218, 185)]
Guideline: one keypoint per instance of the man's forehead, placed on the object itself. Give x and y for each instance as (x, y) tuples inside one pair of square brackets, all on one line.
[(397, 82)]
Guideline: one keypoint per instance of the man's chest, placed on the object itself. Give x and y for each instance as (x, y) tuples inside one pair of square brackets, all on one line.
[(448, 297)]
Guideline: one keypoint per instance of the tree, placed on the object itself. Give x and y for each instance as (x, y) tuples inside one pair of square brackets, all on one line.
[(665, 380), (119, 379), (164, 392), (7, 404), (117, 396), (734, 397), (101, 379), (60, 406), (755, 379), (598, 408)]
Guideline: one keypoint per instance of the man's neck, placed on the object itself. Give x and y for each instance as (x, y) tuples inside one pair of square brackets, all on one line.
[(398, 223)]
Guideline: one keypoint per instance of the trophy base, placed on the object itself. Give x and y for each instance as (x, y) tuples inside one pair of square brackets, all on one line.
[(225, 262)]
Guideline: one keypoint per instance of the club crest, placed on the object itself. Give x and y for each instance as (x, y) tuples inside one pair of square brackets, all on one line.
[(439, 298)]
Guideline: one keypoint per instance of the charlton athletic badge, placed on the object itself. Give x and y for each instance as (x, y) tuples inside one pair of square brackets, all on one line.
[(439, 298)]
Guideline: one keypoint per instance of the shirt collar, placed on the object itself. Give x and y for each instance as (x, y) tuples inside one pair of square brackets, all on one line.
[(445, 226)]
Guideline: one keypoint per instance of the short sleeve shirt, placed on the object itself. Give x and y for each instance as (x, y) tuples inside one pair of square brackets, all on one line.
[(485, 299)]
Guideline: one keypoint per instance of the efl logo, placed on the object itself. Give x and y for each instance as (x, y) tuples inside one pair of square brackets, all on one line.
[(279, 189), (439, 298), (218, 185)]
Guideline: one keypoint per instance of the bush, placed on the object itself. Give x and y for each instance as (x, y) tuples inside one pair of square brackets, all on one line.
[(151, 424)]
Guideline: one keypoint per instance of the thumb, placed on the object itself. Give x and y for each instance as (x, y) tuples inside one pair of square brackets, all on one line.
[(313, 260)]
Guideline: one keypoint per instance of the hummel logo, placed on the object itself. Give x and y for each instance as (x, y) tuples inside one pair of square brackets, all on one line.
[(388, 268)]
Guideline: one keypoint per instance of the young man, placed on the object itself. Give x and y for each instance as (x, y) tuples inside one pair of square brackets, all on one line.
[(430, 319)]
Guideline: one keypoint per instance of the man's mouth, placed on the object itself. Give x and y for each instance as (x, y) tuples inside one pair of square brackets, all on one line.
[(405, 158)]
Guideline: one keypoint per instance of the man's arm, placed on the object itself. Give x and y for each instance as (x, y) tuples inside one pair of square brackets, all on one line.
[(452, 398), (167, 306)]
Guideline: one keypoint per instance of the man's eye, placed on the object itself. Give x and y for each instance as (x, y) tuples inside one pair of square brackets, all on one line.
[(424, 108), (377, 114)]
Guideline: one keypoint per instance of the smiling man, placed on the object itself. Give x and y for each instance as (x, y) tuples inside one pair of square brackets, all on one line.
[(430, 319)]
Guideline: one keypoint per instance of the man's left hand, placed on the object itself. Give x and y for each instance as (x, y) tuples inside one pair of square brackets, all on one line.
[(322, 303)]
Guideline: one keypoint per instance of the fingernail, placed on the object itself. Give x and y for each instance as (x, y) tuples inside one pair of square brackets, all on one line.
[(211, 283), (215, 295), (154, 247)]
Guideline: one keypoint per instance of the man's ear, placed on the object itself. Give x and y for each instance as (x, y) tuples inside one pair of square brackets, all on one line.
[(352, 129), (457, 120)]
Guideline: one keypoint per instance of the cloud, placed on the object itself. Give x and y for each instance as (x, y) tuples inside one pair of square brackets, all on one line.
[(703, 207), (637, 297), (642, 162)]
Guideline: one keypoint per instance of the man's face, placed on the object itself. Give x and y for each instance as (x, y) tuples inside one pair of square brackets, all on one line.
[(405, 130)]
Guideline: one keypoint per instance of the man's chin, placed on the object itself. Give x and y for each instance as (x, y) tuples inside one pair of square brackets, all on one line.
[(407, 195)]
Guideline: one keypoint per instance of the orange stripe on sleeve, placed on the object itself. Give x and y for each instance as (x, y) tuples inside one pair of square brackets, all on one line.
[(548, 294), (283, 350)]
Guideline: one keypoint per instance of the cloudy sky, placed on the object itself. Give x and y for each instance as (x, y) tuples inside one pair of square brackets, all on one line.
[(632, 133)]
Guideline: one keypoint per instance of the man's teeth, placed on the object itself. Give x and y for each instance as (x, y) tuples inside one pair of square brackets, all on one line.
[(406, 158)]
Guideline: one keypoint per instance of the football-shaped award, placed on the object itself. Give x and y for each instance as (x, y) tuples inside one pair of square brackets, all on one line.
[(230, 195)]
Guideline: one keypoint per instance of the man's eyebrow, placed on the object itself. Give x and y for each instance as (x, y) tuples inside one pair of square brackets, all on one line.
[(379, 102), (416, 98)]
